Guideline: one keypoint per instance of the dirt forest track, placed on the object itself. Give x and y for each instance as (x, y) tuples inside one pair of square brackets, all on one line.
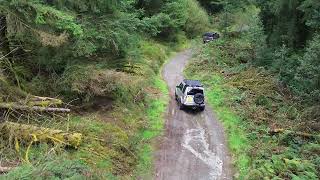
[(193, 145)]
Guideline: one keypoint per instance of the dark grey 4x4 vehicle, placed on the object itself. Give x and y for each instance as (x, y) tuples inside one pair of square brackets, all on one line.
[(210, 36), (190, 93)]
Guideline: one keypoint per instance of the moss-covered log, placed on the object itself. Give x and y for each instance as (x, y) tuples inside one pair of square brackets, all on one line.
[(29, 133), (43, 101), (15, 106)]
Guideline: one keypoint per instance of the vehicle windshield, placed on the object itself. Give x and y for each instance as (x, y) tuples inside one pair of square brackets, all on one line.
[(211, 35), (195, 91)]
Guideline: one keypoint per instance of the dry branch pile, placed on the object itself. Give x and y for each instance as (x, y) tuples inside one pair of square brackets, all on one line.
[(5, 169), (15, 127), (29, 133), (36, 103)]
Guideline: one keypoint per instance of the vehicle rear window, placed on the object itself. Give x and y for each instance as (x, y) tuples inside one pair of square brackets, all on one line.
[(195, 91)]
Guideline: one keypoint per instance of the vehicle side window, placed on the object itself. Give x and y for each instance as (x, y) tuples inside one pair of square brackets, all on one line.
[(180, 86), (184, 88)]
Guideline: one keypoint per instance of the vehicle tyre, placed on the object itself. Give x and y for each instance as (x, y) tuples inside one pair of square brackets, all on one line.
[(198, 98), (181, 106), (202, 108)]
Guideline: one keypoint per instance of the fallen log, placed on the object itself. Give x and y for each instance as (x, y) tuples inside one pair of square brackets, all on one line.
[(28, 133), (43, 101), (16, 106)]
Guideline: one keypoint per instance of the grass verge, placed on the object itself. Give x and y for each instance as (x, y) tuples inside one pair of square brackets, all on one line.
[(237, 140), (155, 112)]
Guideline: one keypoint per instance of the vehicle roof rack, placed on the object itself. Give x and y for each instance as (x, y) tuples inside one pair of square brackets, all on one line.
[(192, 83)]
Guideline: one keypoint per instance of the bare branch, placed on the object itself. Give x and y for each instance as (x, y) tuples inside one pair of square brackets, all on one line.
[(12, 51)]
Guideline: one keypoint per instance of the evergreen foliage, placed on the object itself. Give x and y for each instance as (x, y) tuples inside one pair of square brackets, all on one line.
[(103, 56), (286, 38), (112, 50), (265, 69), (54, 36)]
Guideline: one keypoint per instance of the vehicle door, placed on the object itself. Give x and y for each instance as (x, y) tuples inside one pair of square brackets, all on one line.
[(179, 90), (183, 92)]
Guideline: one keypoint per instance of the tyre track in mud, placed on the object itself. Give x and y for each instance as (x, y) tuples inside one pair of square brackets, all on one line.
[(193, 145)]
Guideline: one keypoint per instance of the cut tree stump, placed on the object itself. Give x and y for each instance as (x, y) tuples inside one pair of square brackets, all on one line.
[(5, 169)]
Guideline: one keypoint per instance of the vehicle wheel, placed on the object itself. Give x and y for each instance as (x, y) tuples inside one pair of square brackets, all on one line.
[(198, 98), (181, 106), (202, 108)]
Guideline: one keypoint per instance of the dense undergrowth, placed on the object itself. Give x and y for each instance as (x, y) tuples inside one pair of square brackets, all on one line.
[(110, 149), (116, 143), (268, 130), (262, 80), (103, 59)]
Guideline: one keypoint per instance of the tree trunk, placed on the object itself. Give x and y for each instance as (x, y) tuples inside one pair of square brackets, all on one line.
[(4, 42)]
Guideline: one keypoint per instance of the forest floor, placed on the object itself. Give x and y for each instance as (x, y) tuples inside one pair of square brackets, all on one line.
[(193, 145)]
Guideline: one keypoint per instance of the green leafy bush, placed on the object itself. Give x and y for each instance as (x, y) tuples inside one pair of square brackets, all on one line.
[(198, 20)]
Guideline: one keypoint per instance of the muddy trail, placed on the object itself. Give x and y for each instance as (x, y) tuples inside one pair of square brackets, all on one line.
[(193, 146)]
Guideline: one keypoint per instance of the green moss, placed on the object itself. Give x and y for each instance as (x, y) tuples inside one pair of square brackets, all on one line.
[(144, 166), (156, 109)]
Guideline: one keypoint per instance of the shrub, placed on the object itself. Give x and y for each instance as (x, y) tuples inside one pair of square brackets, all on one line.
[(87, 82), (52, 169), (308, 76), (197, 21)]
